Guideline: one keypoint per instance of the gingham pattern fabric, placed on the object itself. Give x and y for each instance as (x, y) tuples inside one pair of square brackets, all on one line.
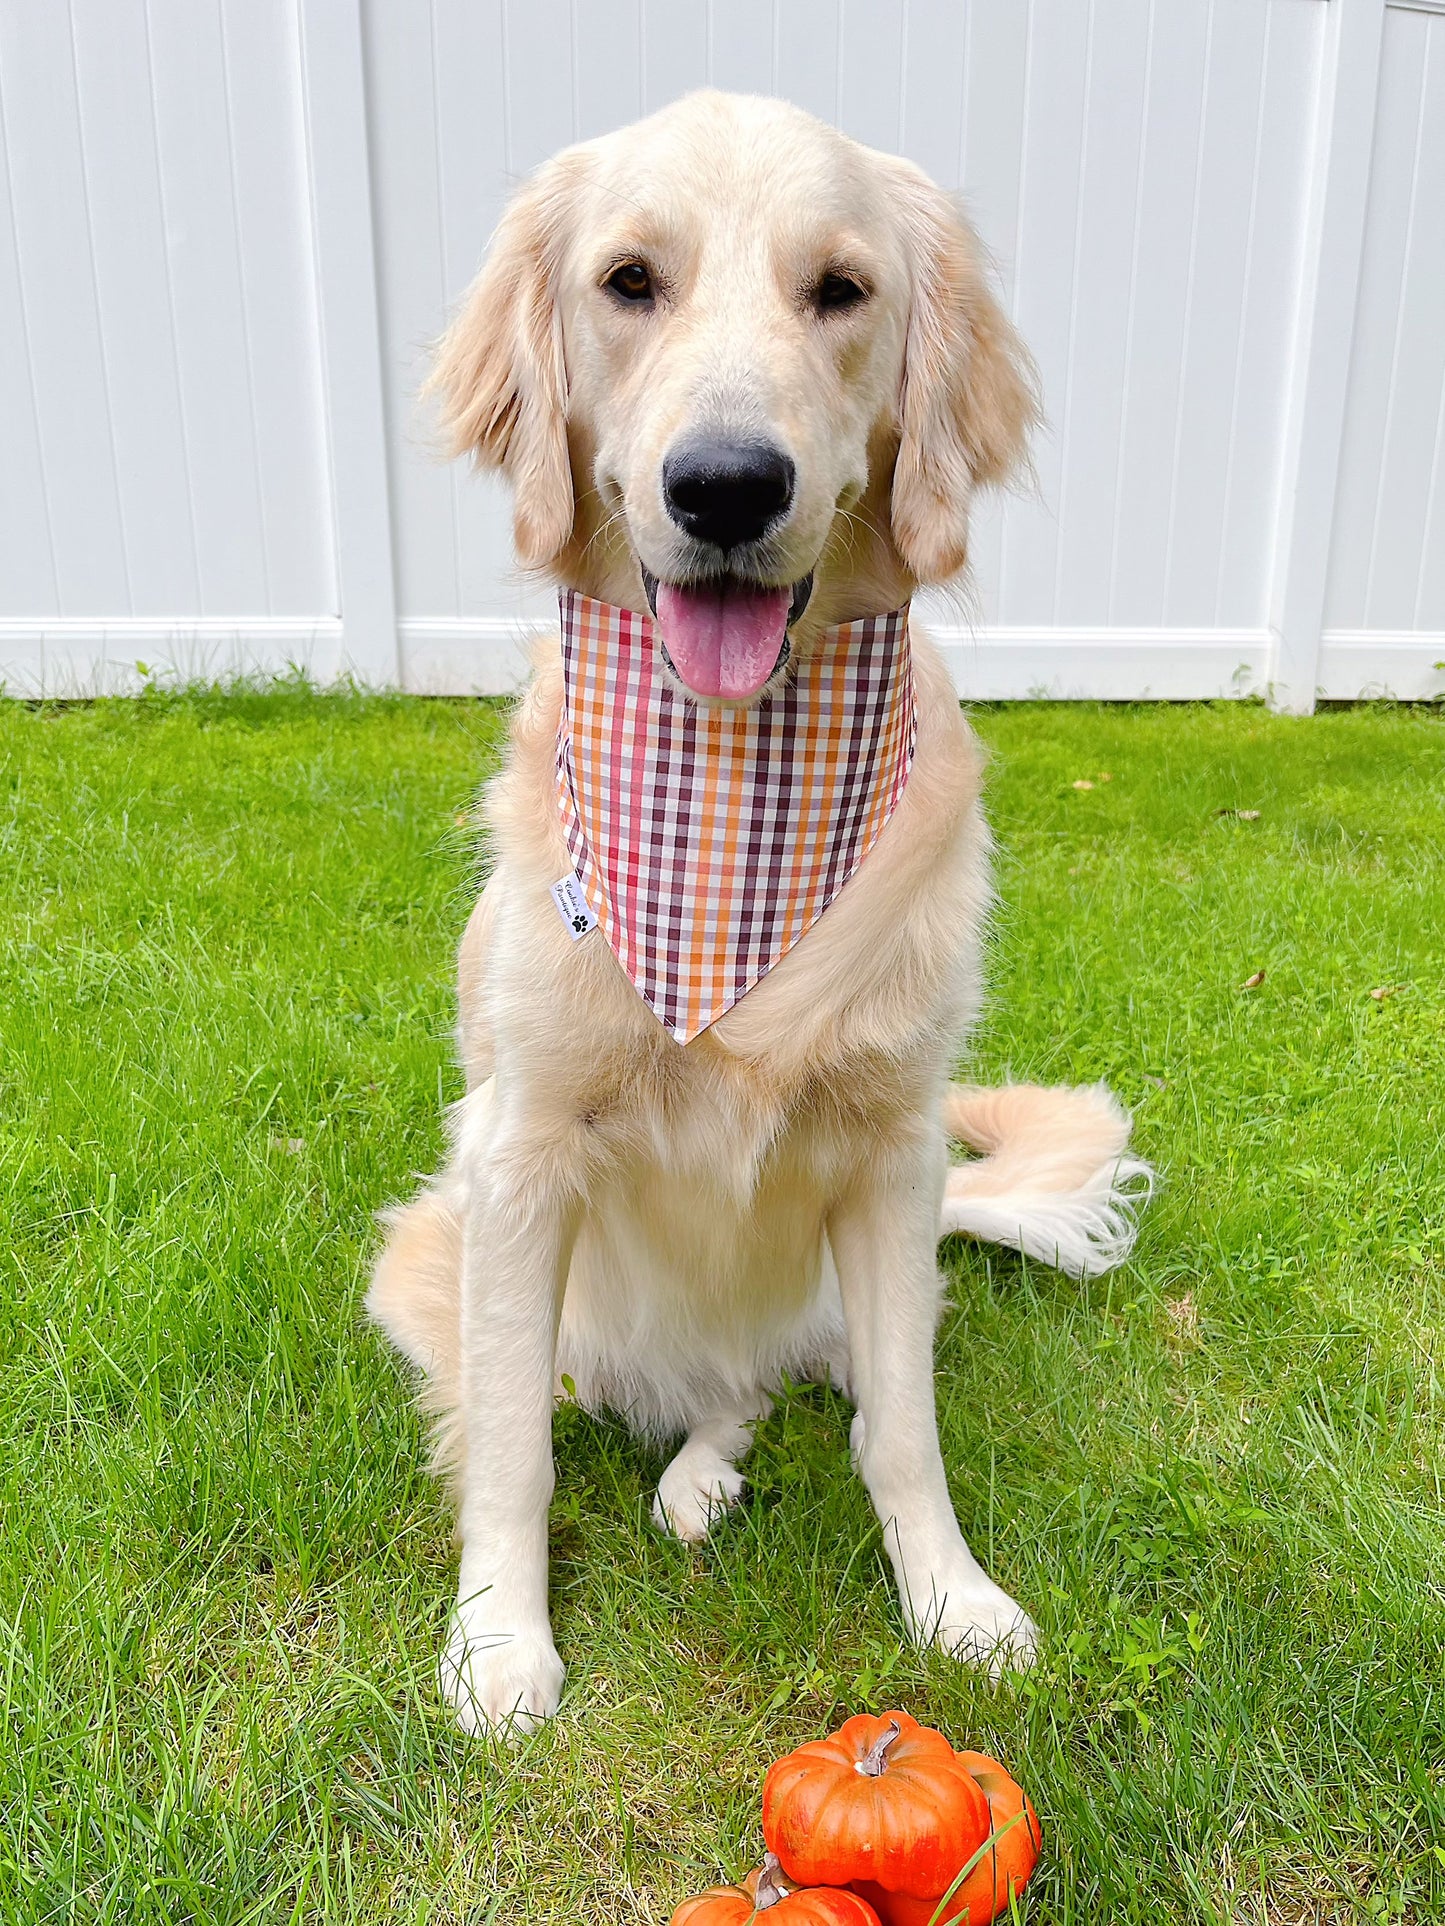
[(708, 841)]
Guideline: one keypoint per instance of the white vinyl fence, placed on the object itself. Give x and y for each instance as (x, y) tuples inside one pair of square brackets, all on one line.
[(228, 228)]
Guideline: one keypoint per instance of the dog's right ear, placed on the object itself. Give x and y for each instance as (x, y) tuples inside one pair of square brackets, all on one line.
[(500, 374)]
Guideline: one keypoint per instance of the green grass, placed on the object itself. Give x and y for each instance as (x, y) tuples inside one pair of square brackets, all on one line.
[(227, 925)]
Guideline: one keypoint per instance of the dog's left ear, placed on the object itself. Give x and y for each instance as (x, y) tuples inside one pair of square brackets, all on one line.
[(500, 375), (969, 396)]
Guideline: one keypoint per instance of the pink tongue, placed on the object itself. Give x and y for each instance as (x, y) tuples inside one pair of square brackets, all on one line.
[(724, 640)]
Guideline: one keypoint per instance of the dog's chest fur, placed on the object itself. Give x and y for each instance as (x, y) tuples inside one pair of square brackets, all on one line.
[(842, 1044)]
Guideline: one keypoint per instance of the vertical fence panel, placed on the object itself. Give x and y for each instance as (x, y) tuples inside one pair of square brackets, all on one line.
[(1052, 185), (1232, 136), (1385, 604), (29, 576), (1273, 258), (335, 91), (1161, 292), (218, 396), (1089, 417), (415, 71), (275, 251), (166, 490), (130, 254), (988, 169), (58, 326), (474, 109), (1334, 236)]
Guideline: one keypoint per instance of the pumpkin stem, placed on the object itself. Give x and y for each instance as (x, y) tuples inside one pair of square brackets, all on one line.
[(770, 1890), (875, 1759)]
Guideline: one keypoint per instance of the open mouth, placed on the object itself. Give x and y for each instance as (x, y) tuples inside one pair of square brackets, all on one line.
[(725, 637)]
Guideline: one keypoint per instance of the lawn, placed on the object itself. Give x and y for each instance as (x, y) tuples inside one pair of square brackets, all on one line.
[(1215, 1478)]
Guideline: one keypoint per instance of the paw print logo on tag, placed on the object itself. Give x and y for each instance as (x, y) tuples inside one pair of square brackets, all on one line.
[(572, 906)]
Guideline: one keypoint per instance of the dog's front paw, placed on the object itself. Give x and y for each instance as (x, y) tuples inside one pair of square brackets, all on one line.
[(693, 1493), (977, 1622), (504, 1683)]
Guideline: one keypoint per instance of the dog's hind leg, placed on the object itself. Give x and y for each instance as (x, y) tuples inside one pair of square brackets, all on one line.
[(703, 1480), (415, 1297)]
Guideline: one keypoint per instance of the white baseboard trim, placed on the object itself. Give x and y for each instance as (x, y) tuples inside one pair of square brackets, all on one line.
[(1104, 665), (1406, 665), (79, 657), (484, 656), (490, 655), (467, 655)]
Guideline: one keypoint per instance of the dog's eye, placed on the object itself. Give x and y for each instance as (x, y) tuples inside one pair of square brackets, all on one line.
[(631, 282), (837, 291)]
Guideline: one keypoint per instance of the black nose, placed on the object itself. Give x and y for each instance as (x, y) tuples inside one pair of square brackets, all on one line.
[(726, 492)]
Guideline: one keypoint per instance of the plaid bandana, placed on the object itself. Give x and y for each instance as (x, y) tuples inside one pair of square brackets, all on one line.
[(708, 841)]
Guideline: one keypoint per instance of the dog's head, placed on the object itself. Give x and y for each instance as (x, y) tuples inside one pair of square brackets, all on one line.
[(737, 365)]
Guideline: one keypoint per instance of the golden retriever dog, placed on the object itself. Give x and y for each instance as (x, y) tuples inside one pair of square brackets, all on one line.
[(728, 353)]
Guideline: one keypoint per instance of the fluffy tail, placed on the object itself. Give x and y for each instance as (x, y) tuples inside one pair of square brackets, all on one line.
[(1054, 1179)]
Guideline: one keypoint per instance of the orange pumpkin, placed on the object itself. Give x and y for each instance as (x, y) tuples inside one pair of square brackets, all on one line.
[(766, 1891), (1004, 1866), (884, 1800)]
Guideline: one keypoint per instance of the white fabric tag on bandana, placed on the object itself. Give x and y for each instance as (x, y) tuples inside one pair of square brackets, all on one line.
[(709, 839), (573, 907)]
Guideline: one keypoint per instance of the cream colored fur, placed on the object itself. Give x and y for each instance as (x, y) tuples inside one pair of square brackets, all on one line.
[(671, 1229)]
